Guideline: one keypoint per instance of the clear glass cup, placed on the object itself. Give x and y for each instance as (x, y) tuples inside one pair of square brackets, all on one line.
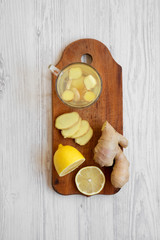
[(63, 82)]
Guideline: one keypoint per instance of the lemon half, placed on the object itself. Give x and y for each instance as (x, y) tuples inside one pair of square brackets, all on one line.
[(66, 159), (90, 180)]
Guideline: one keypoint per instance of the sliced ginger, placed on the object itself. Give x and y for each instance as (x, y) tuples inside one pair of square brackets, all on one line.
[(89, 96), (67, 133), (68, 95), (85, 138), (67, 120), (73, 126), (68, 85), (76, 94), (90, 82), (78, 83), (75, 72), (83, 129)]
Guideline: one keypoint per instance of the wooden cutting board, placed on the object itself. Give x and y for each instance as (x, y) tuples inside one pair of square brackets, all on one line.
[(108, 107)]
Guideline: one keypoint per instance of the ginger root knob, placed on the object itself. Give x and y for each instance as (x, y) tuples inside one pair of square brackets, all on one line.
[(108, 149)]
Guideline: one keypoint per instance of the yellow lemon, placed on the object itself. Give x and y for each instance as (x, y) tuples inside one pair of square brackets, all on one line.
[(90, 180), (66, 159)]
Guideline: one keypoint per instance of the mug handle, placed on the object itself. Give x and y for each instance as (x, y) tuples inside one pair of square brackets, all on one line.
[(54, 69)]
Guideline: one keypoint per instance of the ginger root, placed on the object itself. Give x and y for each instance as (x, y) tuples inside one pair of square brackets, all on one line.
[(108, 149), (120, 173)]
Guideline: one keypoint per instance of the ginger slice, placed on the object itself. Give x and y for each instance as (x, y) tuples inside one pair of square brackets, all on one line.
[(67, 133), (68, 85), (67, 95), (90, 82), (78, 83), (76, 94), (83, 129), (89, 96), (67, 120), (85, 138), (75, 72)]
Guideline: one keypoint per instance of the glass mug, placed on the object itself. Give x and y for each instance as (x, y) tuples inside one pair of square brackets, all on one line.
[(78, 84)]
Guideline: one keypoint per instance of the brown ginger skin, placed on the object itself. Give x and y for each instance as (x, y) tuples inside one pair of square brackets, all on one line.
[(120, 172), (108, 149)]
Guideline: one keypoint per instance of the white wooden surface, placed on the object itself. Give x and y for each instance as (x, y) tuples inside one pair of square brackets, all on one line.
[(33, 34)]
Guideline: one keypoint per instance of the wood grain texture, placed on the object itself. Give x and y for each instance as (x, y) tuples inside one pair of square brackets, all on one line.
[(33, 34), (108, 107)]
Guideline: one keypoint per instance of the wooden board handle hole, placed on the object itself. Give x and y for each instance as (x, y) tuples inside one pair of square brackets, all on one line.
[(86, 58)]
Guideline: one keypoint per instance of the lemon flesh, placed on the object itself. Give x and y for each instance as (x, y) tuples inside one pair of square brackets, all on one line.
[(66, 159), (90, 180)]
